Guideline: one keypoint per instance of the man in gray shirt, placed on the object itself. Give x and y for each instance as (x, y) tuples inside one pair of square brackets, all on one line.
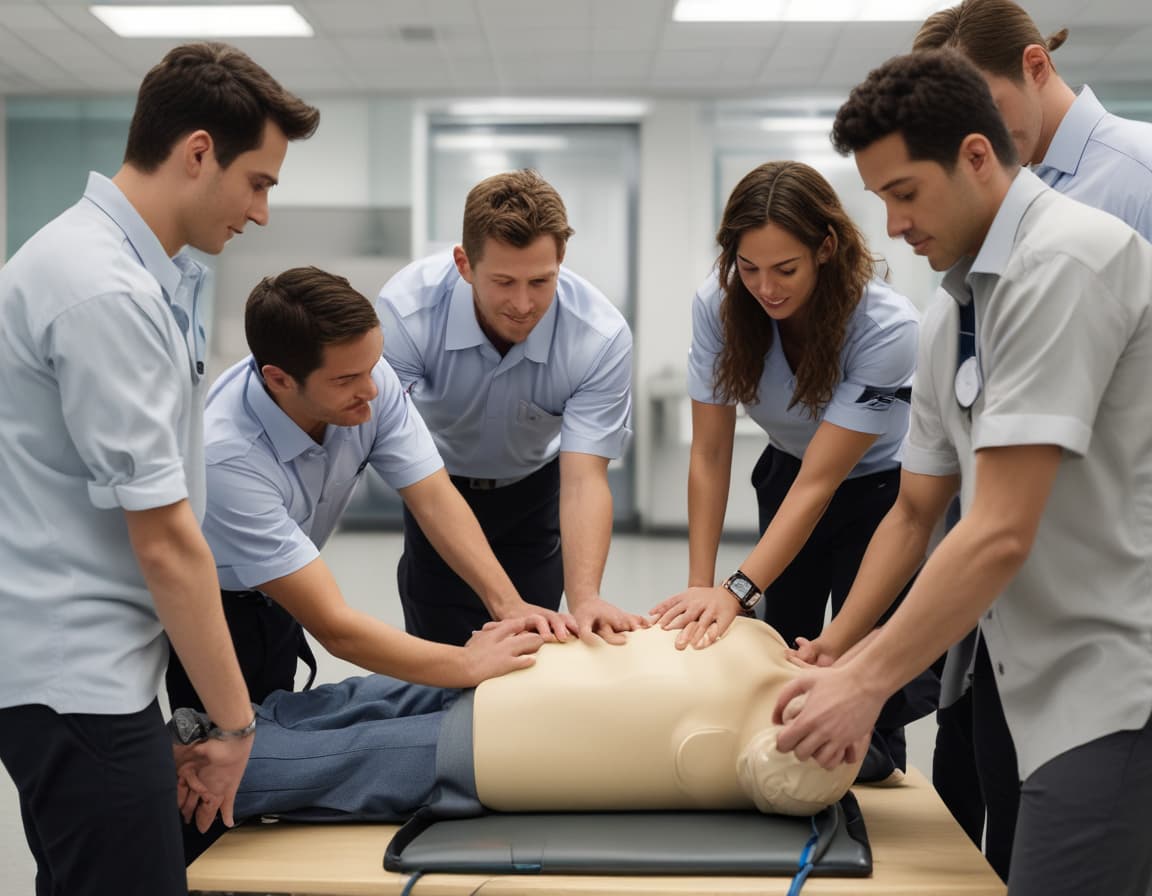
[(102, 481), (1032, 398)]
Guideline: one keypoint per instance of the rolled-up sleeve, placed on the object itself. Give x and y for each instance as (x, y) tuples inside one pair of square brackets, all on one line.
[(403, 451), (598, 416), (880, 366), (247, 525), (123, 401), (707, 343)]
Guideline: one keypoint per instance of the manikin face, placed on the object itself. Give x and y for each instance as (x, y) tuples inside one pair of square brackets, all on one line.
[(1022, 111), (512, 288), (778, 270), (228, 198), (936, 212), (336, 393)]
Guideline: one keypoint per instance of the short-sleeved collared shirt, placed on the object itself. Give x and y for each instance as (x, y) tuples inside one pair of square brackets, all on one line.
[(877, 362), (567, 387), (1104, 161), (1064, 341), (101, 350), (274, 494)]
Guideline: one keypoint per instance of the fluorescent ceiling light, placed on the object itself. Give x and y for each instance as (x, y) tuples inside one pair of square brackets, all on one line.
[(805, 10), (511, 107), (500, 142), (792, 124), (203, 21)]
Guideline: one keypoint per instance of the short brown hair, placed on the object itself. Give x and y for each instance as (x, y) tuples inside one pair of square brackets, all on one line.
[(516, 208), (797, 198), (291, 317), (212, 87), (991, 33)]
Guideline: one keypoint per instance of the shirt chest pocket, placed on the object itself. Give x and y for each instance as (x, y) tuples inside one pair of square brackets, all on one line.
[(535, 422)]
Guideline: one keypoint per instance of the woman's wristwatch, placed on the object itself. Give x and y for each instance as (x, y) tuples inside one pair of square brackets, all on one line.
[(744, 590), (188, 726)]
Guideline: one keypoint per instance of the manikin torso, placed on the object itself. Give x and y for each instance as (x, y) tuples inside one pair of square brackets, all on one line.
[(644, 726)]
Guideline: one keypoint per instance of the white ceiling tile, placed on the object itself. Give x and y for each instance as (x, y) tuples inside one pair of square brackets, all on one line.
[(541, 43), (21, 17), (349, 16), (722, 37), (496, 14)]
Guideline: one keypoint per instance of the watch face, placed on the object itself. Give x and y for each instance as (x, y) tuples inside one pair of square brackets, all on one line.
[(740, 587)]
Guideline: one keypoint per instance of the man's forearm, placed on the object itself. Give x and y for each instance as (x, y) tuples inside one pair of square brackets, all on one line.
[(585, 534), (178, 568), (959, 582), (453, 530)]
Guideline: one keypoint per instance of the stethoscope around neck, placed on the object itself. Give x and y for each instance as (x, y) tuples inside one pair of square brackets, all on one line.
[(968, 383)]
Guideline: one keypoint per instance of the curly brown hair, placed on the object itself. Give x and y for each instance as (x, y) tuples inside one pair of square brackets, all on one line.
[(796, 197)]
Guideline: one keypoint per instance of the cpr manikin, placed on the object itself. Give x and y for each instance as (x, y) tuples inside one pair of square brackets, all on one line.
[(588, 727), (646, 726)]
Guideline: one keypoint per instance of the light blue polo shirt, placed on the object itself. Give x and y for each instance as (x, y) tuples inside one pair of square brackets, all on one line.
[(100, 412), (567, 387), (275, 495), (1104, 161), (877, 361)]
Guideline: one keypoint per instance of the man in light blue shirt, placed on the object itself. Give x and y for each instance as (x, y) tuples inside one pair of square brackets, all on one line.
[(1080, 149), (289, 431), (523, 372), (102, 480)]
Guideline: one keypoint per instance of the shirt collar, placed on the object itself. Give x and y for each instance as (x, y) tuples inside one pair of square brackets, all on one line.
[(1071, 137), (464, 330), (106, 196), (997, 246), (288, 440)]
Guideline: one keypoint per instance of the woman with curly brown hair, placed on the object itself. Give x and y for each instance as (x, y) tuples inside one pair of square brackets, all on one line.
[(794, 325)]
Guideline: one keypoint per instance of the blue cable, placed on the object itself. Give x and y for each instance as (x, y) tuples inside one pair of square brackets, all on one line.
[(805, 864)]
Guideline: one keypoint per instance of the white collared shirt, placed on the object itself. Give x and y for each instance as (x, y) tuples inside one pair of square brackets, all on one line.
[(1062, 295), (274, 494), (567, 387), (101, 351)]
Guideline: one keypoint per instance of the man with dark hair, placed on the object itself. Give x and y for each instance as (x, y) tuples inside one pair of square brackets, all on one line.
[(1079, 148), (288, 432), (1031, 397), (523, 371), (102, 477)]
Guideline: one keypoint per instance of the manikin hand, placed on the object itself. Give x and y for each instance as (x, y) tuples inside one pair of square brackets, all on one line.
[(208, 775), (836, 720), (596, 616), (704, 614), (501, 647)]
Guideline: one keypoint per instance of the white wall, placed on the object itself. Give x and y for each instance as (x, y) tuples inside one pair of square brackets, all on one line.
[(360, 157)]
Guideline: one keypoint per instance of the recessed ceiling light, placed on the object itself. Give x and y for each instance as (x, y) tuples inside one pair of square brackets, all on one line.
[(204, 21), (559, 107), (805, 10)]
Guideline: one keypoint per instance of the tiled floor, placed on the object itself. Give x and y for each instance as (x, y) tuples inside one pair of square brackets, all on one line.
[(641, 571)]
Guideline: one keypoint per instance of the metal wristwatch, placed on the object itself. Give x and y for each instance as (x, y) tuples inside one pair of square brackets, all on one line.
[(743, 589), (189, 727)]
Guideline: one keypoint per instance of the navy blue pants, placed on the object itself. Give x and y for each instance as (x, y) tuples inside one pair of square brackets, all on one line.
[(824, 569), (98, 800), (522, 524)]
